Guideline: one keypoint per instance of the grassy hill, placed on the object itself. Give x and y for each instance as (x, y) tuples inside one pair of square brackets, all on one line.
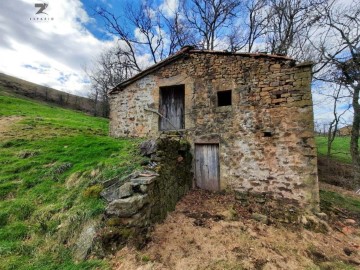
[(52, 164), (34, 91), (340, 148), (338, 169)]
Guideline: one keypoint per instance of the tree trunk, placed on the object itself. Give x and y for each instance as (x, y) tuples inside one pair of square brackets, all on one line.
[(354, 142), (330, 139)]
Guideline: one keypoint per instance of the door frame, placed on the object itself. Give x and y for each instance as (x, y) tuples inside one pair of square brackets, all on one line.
[(211, 142), (162, 89)]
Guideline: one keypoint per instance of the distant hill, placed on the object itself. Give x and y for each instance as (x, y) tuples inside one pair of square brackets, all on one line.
[(42, 93)]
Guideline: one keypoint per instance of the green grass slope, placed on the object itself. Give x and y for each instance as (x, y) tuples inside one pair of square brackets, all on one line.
[(52, 164), (34, 91), (340, 148), (337, 171)]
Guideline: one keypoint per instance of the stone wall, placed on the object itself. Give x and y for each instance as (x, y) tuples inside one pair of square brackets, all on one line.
[(265, 137), (145, 197)]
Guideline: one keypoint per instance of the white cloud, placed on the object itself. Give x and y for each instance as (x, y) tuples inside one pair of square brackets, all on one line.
[(168, 7), (50, 52), (323, 101)]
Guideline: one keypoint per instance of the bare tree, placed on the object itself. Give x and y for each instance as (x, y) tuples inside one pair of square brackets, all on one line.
[(210, 19), (337, 96), (109, 69), (339, 47), (251, 28), (289, 23), (256, 22), (144, 29), (179, 34)]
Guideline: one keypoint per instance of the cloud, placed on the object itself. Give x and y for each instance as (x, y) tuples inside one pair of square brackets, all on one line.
[(168, 7), (50, 52), (323, 100)]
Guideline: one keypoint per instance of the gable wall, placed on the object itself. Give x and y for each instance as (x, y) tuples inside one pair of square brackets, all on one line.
[(268, 94)]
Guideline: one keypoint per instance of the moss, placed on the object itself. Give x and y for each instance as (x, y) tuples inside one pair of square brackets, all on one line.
[(113, 221), (175, 176), (126, 233), (145, 258), (93, 191), (113, 238)]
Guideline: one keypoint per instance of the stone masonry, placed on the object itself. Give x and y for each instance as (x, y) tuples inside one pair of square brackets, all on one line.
[(143, 198), (266, 141)]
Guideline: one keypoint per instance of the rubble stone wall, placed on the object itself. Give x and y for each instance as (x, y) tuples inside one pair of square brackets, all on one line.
[(144, 198), (265, 137)]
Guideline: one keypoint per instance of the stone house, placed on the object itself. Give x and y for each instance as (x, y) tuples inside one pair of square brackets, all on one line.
[(345, 131), (248, 118)]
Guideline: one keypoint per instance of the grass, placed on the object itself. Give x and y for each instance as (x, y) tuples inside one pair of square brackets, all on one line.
[(330, 200), (39, 92), (337, 174), (53, 162), (340, 148)]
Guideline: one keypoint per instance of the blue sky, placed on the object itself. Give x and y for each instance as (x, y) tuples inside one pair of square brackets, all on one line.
[(96, 27)]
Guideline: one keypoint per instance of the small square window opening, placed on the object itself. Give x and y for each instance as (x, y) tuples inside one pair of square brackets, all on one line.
[(224, 98), (267, 134)]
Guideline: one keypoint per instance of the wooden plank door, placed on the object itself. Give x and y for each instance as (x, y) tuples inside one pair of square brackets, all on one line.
[(172, 101), (207, 166)]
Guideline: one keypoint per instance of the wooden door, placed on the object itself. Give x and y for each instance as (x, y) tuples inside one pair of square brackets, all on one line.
[(207, 166), (172, 101)]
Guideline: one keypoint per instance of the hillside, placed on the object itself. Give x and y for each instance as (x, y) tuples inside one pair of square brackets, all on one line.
[(52, 164), (34, 91), (338, 169)]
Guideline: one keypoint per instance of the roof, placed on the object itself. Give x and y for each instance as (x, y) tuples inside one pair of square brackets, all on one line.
[(185, 51)]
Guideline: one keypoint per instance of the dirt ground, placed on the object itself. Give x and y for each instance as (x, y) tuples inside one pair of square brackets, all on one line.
[(5, 124), (208, 231)]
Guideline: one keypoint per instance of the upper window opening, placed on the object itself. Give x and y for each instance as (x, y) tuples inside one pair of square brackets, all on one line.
[(224, 98)]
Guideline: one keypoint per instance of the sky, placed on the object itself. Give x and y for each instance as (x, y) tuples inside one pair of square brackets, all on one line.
[(53, 51)]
